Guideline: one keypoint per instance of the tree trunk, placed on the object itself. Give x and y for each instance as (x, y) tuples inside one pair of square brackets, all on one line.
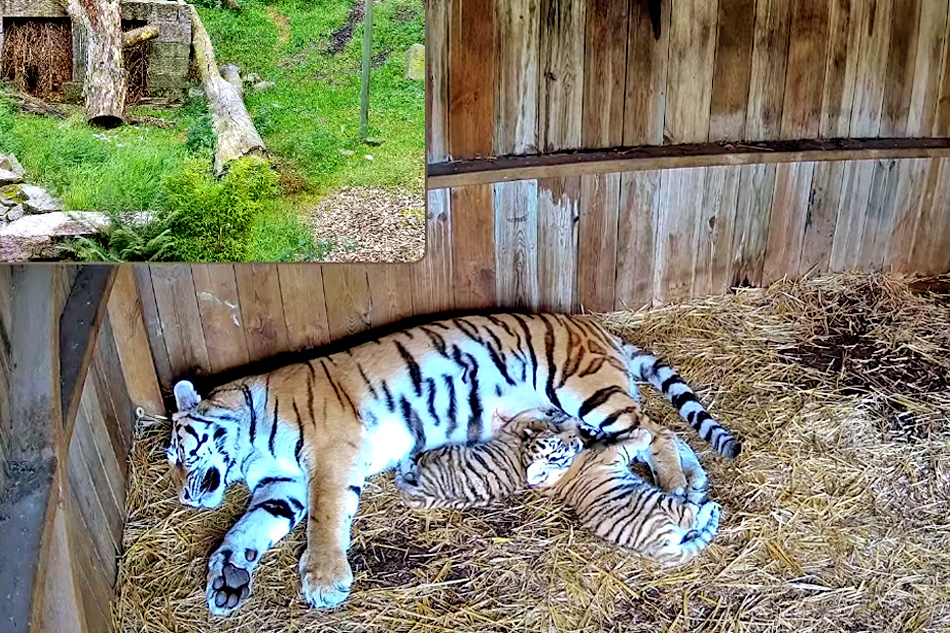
[(106, 82), (139, 36), (235, 132)]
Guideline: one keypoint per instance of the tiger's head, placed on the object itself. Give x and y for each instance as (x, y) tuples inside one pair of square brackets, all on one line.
[(203, 445), (549, 455)]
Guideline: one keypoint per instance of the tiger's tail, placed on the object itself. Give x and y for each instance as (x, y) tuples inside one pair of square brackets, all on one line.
[(645, 367)]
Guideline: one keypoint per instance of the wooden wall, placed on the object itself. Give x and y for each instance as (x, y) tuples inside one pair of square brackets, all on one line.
[(529, 76), (63, 508)]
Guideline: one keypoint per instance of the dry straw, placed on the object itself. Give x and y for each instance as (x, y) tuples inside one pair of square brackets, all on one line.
[(835, 515)]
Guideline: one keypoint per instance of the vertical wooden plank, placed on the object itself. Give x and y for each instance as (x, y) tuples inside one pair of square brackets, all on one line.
[(942, 118), (733, 67), (821, 217), (910, 191), (516, 243), (931, 41), (131, 342), (265, 327), (605, 73), (389, 301), (692, 58), (180, 320), (873, 37), (471, 78), (901, 64), (517, 33), (221, 319), (648, 58), (840, 71), (636, 235), (117, 409), (852, 212), (787, 225), (305, 309), (878, 224), (597, 249), (153, 325), (346, 288), (753, 214), (713, 262), (767, 79), (471, 112), (437, 93), (473, 250), (805, 78), (562, 74), (558, 213), (681, 196), (431, 278), (931, 248)]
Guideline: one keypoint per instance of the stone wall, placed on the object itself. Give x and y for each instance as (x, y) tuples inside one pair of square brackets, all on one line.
[(170, 52)]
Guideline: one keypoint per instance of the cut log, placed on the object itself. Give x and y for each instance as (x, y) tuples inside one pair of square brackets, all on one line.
[(233, 127), (139, 36), (106, 81)]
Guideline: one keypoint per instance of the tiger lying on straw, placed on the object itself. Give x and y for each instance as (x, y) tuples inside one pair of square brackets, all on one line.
[(305, 437), (544, 450)]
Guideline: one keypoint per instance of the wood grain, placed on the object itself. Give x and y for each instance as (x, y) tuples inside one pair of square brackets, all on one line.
[(636, 236), (221, 319), (767, 79), (558, 216), (346, 288), (438, 18), (262, 309), (471, 73), (305, 308), (680, 198), (712, 268), (432, 276), (387, 291), (597, 233), (473, 250), (605, 72), (821, 218), (692, 56), (753, 215), (179, 316), (909, 196), (855, 196), (805, 76), (153, 324), (879, 218), (648, 60), (901, 65), (562, 74), (840, 71), (733, 67), (517, 42), (516, 244), (872, 21), (787, 224), (929, 59)]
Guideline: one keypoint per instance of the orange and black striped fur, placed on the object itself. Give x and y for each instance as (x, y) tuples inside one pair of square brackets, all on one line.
[(305, 437)]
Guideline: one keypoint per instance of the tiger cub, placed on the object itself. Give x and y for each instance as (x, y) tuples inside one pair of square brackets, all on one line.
[(468, 475), (621, 507)]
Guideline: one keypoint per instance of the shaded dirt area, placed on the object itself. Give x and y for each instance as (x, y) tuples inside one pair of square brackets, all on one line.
[(282, 24), (363, 224)]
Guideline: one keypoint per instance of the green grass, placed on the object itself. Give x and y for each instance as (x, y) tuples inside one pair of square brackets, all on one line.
[(310, 115)]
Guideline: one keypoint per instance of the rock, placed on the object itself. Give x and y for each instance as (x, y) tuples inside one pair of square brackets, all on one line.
[(416, 63), (347, 152), (261, 86), (11, 195), (33, 236), (376, 142), (37, 200), (10, 169), (15, 213), (252, 78), (232, 74)]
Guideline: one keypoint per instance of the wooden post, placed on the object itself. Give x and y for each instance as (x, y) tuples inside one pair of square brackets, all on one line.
[(367, 62)]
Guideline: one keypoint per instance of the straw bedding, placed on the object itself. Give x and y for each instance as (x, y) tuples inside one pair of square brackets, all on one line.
[(835, 516)]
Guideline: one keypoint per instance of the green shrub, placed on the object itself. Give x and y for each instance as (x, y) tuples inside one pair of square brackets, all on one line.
[(213, 218), (125, 241)]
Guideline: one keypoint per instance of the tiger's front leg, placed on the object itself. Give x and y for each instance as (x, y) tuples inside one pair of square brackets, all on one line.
[(336, 482), (277, 505)]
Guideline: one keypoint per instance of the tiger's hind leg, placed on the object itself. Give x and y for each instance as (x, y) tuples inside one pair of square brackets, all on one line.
[(277, 505), (336, 483)]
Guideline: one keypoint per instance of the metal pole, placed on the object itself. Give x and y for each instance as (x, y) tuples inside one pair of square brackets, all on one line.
[(367, 60)]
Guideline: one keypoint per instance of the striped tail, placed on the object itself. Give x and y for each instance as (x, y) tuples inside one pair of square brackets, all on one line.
[(647, 368)]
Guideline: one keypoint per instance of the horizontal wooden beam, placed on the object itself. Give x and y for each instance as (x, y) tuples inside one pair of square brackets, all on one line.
[(587, 162)]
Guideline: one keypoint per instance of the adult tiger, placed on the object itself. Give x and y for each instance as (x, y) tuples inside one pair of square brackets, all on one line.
[(304, 437)]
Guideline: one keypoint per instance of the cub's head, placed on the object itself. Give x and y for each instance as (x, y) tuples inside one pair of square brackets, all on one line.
[(548, 456), (202, 451)]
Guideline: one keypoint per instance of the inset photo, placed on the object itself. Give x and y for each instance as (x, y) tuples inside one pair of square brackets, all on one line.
[(212, 130)]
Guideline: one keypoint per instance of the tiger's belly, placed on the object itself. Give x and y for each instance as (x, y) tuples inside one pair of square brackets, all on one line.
[(395, 435)]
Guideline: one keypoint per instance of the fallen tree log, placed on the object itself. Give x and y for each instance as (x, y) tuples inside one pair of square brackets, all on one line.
[(105, 85), (139, 36), (234, 130)]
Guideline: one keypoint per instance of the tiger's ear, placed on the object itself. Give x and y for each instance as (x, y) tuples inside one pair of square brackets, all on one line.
[(537, 473), (185, 396)]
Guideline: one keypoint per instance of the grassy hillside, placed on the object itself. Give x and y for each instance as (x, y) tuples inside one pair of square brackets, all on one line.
[(308, 119)]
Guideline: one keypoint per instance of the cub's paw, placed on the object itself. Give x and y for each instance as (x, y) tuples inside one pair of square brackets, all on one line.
[(325, 579), (229, 580)]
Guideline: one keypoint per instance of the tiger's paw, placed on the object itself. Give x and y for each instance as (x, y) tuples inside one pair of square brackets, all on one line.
[(229, 581), (325, 579)]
